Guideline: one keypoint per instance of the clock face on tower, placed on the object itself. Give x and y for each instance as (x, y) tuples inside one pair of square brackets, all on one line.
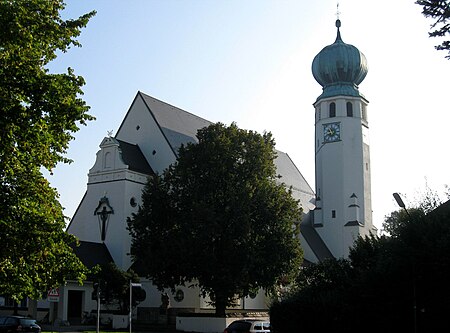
[(332, 132)]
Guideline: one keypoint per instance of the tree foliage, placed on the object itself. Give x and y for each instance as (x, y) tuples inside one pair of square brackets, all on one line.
[(319, 300), (218, 216), (399, 278), (39, 113), (439, 10), (114, 287)]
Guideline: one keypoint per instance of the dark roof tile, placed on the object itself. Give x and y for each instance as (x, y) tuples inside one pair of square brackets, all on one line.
[(133, 157), (91, 253)]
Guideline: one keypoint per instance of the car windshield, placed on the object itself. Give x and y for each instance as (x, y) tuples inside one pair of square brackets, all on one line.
[(262, 326), (27, 322), (240, 326)]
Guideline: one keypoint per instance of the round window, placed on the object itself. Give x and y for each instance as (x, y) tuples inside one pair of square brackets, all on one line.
[(179, 295)]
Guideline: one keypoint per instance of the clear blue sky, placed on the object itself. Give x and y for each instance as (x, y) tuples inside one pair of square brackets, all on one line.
[(250, 62)]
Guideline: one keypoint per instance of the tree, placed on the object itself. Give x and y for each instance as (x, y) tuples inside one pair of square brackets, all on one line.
[(420, 256), (320, 300), (440, 11), (219, 217), (114, 287), (399, 278), (39, 113)]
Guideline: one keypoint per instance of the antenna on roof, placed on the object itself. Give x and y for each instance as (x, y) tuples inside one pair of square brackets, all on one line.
[(110, 133)]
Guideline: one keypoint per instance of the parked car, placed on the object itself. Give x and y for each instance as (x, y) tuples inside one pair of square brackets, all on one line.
[(248, 326), (15, 324)]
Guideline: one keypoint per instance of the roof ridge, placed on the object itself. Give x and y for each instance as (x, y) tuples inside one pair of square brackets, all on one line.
[(176, 107)]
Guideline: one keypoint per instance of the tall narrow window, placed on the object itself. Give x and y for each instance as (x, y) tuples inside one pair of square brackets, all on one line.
[(333, 214), (332, 109), (349, 109), (107, 163)]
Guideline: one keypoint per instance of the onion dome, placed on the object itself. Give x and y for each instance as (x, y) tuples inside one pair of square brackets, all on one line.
[(339, 68)]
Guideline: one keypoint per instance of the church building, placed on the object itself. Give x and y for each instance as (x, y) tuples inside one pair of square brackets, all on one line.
[(147, 141)]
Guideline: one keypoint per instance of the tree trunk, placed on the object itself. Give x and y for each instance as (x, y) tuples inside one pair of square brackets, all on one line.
[(221, 306), (221, 302)]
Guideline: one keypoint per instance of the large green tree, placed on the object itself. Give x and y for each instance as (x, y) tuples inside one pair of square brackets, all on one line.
[(218, 216), (39, 112), (438, 10), (399, 278)]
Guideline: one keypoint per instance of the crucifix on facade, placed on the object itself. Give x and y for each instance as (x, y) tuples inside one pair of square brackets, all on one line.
[(103, 212)]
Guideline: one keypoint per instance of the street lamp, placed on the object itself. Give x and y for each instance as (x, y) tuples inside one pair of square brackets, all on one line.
[(131, 298), (401, 204)]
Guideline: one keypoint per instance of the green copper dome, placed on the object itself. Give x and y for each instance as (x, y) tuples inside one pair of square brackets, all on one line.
[(339, 68)]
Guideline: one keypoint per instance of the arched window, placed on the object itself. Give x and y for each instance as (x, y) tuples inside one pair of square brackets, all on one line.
[(349, 109), (332, 109), (107, 163)]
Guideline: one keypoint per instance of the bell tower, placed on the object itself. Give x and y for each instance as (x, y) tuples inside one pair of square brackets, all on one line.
[(343, 195)]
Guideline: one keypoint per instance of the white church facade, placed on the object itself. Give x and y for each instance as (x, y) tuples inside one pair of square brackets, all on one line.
[(147, 141)]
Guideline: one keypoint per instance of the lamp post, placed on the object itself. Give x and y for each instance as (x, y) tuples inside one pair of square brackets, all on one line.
[(98, 308), (131, 299), (401, 204)]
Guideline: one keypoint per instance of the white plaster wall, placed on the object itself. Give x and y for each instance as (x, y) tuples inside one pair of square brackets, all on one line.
[(109, 177), (202, 324), (340, 172), (87, 303), (85, 225), (153, 299), (149, 136), (118, 239), (260, 302)]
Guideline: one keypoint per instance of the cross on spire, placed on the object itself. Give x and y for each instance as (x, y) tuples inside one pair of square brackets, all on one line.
[(337, 11)]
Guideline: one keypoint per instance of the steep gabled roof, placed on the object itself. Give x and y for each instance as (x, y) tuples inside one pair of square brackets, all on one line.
[(92, 254), (291, 175), (315, 242), (133, 157), (178, 126)]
